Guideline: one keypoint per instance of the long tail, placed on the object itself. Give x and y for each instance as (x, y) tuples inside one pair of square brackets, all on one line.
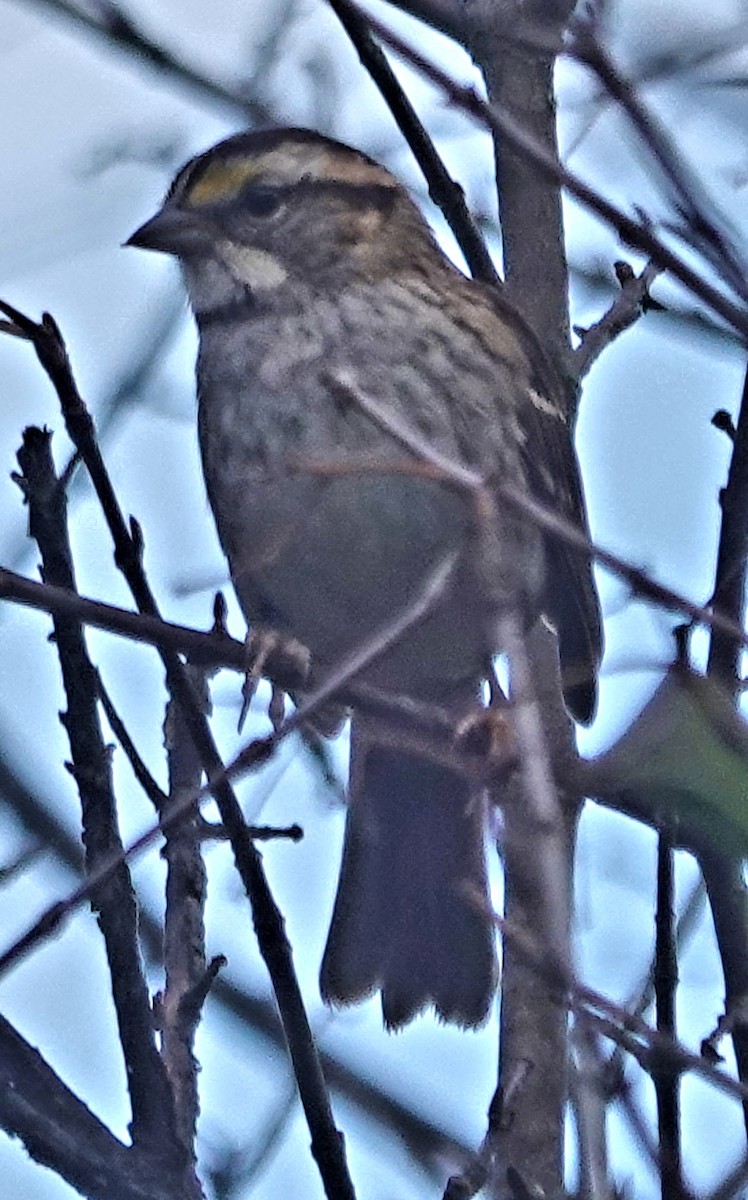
[(411, 912)]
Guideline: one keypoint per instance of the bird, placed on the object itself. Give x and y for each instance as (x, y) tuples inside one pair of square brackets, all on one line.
[(316, 283)]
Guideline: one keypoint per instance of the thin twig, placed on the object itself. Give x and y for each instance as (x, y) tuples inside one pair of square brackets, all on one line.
[(624, 312), (236, 1171), (723, 876), (641, 999), (443, 190), (184, 922), (150, 1096), (500, 122), (589, 1092), (207, 831), (115, 28), (59, 1131), (628, 1101), (732, 553), (327, 1146), (692, 204), (619, 1024), (666, 1081), (207, 649), (541, 819), (154, 793), (257, 1016), (733, 1183)]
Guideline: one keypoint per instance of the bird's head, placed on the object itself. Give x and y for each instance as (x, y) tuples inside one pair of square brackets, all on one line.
[(284, 206)]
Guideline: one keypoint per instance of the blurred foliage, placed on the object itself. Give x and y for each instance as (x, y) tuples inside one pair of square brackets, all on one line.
[(684, 763)]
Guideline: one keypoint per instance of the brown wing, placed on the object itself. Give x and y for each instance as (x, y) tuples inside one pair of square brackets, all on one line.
[(533, 386), (571, 600)]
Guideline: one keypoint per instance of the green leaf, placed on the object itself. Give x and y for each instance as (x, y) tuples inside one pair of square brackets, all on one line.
[(682, 766)]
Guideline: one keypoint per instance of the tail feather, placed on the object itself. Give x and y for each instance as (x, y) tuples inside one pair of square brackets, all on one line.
[(411, 915)]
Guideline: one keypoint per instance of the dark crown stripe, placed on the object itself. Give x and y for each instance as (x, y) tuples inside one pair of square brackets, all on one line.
[(254, 143)]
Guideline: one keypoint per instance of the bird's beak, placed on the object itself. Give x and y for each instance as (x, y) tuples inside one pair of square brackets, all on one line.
[(171, 230)]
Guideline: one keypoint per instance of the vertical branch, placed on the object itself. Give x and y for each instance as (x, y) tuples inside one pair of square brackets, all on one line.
[(723, 877), (327, 1144), (729, 590), (61, 1134), (447, 194), (520, 80), (152, 1111), (665, 1076), (534, 1019), (184, 927), (591, 1090), (537, 884)]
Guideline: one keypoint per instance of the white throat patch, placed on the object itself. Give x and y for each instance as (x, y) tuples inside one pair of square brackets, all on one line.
[(260, 270)]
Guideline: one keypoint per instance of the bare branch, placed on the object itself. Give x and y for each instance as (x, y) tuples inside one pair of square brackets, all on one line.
[(327, 1146), (590, 1096), (732, 554), (723, 877), (424, 1140), (519, 81), (620, 1025), (635, 233), (110, 25), (139, 769), (59, 1132), (692, 204), (184, 923), (443, 190), (666, 1080), (152, 1109), (624, 312)]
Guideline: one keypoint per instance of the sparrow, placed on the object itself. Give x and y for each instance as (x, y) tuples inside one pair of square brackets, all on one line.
[(314, 280)]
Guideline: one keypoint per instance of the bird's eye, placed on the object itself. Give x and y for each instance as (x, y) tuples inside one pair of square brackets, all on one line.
[(261, 202)]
